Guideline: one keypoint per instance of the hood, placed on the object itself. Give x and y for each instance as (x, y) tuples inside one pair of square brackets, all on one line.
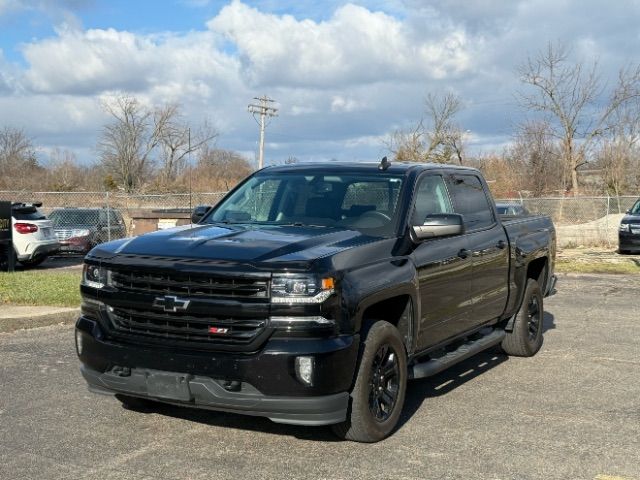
[(631, 218), (241, 243)]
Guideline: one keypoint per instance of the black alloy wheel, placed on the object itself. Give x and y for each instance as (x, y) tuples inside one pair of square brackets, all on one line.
[(384, 385), (534, 317), (525, 338)]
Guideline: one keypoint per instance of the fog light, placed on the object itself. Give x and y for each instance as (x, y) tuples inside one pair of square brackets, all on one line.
[(79, 342), (304, 370)]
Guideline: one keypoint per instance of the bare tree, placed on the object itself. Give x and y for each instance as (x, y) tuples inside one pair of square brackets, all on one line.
[(445, 136), (502, 174), (537, 158), (65, 174), (16, 150), (408, 145), (176, 140), (219, 169), (126, 144), (440, 141), (568, 94)]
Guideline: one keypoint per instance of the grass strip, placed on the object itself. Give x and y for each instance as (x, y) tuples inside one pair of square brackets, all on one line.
[(39, 287), (577, 265)]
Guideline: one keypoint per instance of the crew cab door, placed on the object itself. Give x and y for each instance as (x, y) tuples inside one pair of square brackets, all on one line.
[(488, 244), (443, 266)]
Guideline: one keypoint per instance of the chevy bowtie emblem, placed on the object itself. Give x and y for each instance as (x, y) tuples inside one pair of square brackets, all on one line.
[(170, 303)]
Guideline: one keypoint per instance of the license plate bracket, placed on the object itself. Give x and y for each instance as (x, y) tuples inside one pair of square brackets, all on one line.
[(170, 386)]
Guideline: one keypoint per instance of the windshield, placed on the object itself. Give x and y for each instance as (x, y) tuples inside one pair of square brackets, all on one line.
[(355, 201), (74, 217), (635, 210)]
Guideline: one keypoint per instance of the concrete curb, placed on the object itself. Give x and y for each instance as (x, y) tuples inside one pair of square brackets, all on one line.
[(25, 319)]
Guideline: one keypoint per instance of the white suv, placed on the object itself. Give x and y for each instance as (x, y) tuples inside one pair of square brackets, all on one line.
[(33, 237)]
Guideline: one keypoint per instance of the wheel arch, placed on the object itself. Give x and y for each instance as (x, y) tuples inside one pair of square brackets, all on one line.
[(397, 309)]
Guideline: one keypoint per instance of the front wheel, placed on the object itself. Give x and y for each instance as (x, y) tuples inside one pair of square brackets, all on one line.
[(526, 337), (380, 386)]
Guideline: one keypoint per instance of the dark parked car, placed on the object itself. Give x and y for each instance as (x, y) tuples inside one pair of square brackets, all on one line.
[(629, 234), (511, 209), (80, 229), (312, 292)]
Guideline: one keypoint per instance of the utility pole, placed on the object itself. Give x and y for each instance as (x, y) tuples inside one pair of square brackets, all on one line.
[(264, 110)]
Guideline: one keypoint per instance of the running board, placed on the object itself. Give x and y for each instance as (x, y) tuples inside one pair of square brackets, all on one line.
[(469, 349)]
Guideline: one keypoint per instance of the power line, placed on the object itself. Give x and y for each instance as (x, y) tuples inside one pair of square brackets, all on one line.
[(264, 110)]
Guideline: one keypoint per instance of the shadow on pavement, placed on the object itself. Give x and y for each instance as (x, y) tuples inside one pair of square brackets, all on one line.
[(417, 392)]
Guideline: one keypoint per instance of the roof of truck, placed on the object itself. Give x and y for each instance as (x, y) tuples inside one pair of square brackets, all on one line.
[(364, 167)]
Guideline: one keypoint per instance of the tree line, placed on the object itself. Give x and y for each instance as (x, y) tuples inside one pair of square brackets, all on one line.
[(141, 149), (580, 135)]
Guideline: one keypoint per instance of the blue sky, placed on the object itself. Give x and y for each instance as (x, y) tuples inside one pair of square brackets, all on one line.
[(345, 75)]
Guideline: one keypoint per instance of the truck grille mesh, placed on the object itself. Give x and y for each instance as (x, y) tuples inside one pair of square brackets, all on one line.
[(168, 326), (189, 285)]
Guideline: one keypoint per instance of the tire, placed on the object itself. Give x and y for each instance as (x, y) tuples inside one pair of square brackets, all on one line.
[(377, 400), (526, 338), (34, 262), (136, 404), (623, 252)]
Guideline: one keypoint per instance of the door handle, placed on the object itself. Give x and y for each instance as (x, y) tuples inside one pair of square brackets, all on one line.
[(501, 244), (463, 253)]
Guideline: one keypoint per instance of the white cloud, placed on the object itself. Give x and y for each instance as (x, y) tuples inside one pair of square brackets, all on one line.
[(354, 46), (343, 104), (344, 74)]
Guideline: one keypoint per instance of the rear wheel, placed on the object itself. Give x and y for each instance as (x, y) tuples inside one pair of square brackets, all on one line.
[(526, 338), (33, 262), (379, 391)]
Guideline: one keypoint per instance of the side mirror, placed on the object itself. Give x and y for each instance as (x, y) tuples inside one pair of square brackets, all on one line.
[(628, 212), (438, 225), (199, 212)]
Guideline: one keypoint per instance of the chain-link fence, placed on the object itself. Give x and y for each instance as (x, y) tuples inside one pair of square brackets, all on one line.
[(83, 219), (580, 221), (588, 221)]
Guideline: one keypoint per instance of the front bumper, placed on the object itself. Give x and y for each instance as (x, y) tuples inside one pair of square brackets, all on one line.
[(629, 241), (205, 392), (75, 245), (262, 383)]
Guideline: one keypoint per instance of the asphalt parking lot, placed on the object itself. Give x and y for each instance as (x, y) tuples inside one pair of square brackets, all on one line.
[(571, 412)]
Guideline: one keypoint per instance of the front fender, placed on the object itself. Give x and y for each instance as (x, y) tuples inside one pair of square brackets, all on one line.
[(375, 283)]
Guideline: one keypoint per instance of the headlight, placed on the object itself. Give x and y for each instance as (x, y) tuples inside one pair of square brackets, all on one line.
[(625, 227), (293, 288), (81, 232), (94, 276)]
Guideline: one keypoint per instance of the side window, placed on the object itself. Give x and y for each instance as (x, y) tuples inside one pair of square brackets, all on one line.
[(471, 201), (431, 197)]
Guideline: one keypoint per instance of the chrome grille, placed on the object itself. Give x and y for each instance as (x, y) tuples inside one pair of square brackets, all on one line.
[(63, 234)]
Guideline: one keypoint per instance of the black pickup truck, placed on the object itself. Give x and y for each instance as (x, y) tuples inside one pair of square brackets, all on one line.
[(312, 292)]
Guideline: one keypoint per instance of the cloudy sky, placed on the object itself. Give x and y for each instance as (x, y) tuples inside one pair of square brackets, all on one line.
[(344, 74)]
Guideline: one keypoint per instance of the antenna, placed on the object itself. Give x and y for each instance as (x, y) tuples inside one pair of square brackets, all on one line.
[(384, 164)]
